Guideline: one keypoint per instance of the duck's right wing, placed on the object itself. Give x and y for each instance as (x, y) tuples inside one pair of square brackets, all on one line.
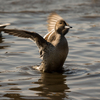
[(40, 41), (4, 25)]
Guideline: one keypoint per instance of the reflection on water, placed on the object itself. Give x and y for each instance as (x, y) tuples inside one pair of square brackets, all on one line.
[(48, 86), (3, 45), (81, 79), (52, 85), (1, 40)]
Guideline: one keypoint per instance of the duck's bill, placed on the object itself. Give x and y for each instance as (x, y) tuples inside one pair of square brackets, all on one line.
[(68, 26)]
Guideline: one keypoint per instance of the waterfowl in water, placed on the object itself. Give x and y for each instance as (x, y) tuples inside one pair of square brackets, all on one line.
[(53, 47)]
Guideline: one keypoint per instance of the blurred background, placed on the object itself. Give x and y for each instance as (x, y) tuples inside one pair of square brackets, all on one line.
[(81, 79)]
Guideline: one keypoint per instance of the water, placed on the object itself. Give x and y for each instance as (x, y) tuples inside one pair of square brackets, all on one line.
[(80, 81)]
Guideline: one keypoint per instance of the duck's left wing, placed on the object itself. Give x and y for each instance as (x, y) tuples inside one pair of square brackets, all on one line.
[(40, 41), (52, 19)]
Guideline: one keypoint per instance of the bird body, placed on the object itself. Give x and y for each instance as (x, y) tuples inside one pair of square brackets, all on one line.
[(55, 55)]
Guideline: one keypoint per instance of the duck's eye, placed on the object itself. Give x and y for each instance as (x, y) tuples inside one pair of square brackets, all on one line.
[(60, 23)]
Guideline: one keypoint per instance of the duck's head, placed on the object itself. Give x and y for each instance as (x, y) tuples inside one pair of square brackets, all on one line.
[(62, 27)]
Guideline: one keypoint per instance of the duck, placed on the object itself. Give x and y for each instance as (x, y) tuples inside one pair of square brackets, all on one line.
[(3, 26), (53, 47)]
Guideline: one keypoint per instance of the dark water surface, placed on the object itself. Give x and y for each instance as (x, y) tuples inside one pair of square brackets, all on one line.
[(81, 80)]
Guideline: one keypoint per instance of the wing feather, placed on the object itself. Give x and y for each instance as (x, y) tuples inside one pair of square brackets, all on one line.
[(4, 25), (52, 19), (40, 41)]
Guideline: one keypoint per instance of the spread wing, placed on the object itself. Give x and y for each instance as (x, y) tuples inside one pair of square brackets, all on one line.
[(52, 19), (4, 25), (46, 37), (40, 41)]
